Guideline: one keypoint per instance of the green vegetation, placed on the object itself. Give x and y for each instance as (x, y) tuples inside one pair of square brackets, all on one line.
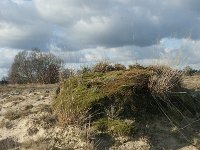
[(115, 127), (107, 95)]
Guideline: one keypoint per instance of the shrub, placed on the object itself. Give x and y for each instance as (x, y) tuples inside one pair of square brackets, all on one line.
[(4, 81), (119, 67), (12, 115), (189, 71), (85, 69), (103, 66), (136, 66)]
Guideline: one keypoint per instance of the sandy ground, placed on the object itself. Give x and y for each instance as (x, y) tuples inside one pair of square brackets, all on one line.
[(27, 122)]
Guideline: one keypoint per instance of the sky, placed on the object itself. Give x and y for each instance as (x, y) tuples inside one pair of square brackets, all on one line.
[(87, 31)]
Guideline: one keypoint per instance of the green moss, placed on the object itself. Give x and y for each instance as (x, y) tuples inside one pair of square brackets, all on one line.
[(97, 91), (115, 127), (93, 94)]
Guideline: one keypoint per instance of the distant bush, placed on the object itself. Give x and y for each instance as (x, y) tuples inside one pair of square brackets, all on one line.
[(4, 81), (136, 66), (119, 67), (84, 69), (35, 67), (103, 66), (189, 71)]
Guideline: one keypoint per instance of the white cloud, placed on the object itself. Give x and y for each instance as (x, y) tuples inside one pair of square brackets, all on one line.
[(100, 23), (6, 58), (173, 52)]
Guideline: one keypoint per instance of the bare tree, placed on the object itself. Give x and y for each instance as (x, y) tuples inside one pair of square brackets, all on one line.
[(35, 67)]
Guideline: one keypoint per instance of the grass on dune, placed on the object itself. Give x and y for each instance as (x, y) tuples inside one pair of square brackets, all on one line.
[(133, 92)]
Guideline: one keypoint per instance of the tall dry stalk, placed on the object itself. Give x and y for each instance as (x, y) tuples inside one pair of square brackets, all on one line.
[(164, 81)]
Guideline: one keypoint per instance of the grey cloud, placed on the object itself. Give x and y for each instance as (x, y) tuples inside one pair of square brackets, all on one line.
[(86, 30), (89, 23), (185, 53), (120, 23), (21, 26)]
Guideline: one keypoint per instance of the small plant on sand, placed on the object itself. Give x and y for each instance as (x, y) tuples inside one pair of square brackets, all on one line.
[(12, 115), (7, 124), (115, 127), (40, 143), (48, 120), (112, 112)]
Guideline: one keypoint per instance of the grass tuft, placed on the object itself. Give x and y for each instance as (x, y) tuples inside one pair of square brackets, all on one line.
[(115, 127)]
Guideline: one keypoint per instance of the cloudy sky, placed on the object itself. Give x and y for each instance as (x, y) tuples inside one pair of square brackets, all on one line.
[(84, 31)]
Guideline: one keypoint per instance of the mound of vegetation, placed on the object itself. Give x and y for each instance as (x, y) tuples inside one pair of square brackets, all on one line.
[(111, 97)]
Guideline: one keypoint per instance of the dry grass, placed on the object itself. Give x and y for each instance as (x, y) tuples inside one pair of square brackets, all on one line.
[(34, 145), (9, 144), (16, 114), (165, 81), (4, 123), (13, 115), (192, 82), (48, 121), (11, 87), (137, 92), (103, 66)]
